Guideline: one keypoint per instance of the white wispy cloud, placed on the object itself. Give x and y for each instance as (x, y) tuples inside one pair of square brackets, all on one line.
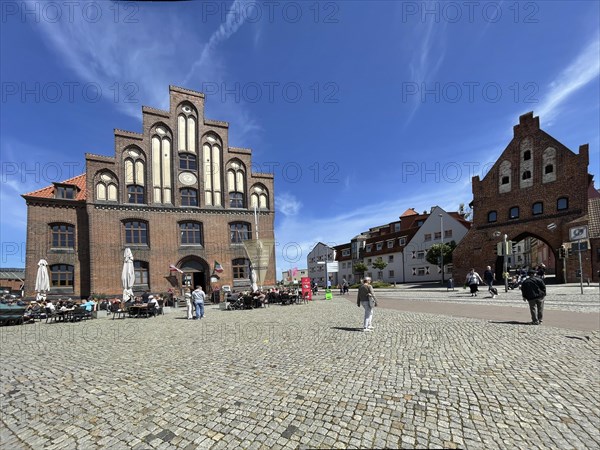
[(426, 59), (297, 234), (287, 204), (581, 71)]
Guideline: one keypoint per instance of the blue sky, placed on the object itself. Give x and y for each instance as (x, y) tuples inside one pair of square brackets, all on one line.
[(360, 109)]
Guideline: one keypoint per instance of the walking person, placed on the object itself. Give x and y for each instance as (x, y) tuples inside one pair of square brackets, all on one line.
[(188, 305), (366, 299), (198, 297), (489, 277), (473, 280), (533, 290)]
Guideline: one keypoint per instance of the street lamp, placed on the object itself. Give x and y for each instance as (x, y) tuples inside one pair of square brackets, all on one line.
[(442, 246)]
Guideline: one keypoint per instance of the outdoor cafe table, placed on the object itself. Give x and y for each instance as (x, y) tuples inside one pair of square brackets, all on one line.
[(138, 310)]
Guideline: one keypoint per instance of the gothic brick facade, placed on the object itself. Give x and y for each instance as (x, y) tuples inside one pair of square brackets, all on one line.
[(537, 188), (175, 194)]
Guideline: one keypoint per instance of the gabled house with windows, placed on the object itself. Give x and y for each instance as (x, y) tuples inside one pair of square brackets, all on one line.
[(402, 246), (175, 194), (320, 254)]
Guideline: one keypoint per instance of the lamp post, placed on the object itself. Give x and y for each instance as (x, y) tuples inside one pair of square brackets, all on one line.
[(442, 246), (505, 265)]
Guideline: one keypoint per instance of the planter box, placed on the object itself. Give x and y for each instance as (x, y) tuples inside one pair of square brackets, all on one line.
[(223, 305), (99, 314), (167, 309)]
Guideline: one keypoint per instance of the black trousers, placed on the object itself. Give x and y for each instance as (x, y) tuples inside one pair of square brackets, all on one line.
[(536, 307)]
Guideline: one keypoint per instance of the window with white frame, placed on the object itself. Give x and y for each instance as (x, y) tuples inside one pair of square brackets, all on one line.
[(390, 244), (379, 245)]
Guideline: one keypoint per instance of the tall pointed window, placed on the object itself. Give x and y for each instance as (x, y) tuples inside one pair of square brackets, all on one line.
[(236, 182), (161, 165), (211, 170), (134, 175)]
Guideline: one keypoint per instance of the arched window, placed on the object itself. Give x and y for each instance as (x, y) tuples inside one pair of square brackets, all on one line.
[(526, 155), (240, 268), (239, 231), (142, 271), (134, 175), (211, 169), (161, 165), (61, 276), (562, 203), (191, 233), (106, 187), (63, 235), (492, 216), (549, 164), (186, 128), (513, 212), (259, 197), (526, 175), (236, 182), (189, 197), (136, 232), (537, 208), (504, 174)]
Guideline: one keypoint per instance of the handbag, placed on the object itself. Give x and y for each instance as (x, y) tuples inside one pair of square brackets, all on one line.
[(372, 301)]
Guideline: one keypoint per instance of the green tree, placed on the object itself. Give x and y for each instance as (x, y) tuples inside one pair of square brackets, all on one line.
[(379, 264), (435, 251), (360, 268)]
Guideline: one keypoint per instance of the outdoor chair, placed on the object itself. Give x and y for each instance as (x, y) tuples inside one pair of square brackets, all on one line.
[(116, 311), (51, 315)]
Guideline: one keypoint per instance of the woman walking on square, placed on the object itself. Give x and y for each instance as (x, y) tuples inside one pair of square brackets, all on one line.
[(366, 299), (473, 280)]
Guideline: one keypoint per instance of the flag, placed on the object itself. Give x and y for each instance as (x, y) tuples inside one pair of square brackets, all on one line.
[(218, 267), (172, 268), (294, 272)]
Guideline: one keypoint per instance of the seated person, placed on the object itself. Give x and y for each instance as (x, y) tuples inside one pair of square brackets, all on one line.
[(50, 306), (259, 298), (153, 302), (89, 305), (145, 297)]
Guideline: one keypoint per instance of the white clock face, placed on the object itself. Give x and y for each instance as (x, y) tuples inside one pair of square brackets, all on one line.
[(187, 178)]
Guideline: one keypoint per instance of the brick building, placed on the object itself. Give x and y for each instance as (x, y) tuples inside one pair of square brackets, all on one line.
[(537, 188), (175, 194)]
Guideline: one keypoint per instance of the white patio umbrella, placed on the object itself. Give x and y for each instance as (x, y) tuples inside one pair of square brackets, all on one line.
[(253, 280), (128, 275), (42, 281)]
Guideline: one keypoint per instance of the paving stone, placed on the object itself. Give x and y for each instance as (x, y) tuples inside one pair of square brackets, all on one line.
[(418, 380)]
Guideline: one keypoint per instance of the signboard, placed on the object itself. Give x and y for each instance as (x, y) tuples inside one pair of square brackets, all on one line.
[(333, 267), (577, 233), (306, 288)]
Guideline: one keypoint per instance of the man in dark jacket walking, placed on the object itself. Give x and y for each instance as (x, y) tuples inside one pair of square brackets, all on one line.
[(533, 290)]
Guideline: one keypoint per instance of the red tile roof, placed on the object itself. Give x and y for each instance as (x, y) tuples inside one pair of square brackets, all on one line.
[(48, 192)]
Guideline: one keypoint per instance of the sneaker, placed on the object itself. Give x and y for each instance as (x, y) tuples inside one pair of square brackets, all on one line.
[(367, 329), (370, 327)]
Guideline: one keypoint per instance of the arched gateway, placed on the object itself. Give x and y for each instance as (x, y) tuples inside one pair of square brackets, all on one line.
[(538, 188)]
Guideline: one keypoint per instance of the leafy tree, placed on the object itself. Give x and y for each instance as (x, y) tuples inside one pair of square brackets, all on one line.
[(379, 264), (463, 212), (435, 251), (360, 268)]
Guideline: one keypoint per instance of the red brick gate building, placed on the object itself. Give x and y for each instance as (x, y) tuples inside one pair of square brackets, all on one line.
[(175, 194), (537, 188)]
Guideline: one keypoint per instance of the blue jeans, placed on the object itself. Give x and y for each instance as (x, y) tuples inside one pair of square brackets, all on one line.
[(199, 310)]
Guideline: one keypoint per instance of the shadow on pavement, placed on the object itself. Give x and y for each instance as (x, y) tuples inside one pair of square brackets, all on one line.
[(346, 329), (510, 322)]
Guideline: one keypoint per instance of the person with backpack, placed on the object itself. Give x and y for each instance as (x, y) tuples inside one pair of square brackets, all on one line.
[(473, 280), (533, 290)]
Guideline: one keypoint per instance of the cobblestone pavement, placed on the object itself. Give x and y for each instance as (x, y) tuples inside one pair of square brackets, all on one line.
[(299, 376), (563, 297)]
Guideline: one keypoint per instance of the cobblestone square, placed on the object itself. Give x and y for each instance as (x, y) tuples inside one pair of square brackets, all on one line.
[(300, 376)]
